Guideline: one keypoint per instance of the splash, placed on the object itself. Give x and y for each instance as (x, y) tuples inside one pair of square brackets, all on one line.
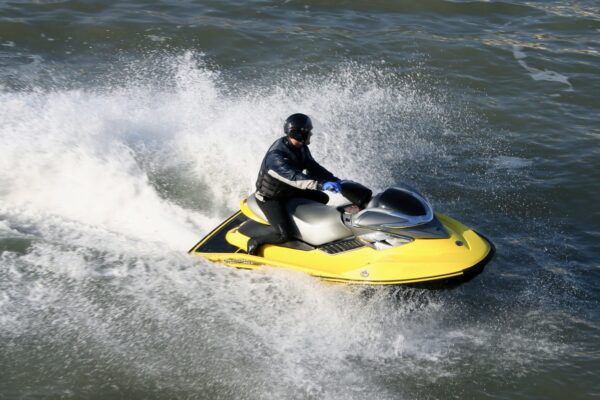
[(158, 161)]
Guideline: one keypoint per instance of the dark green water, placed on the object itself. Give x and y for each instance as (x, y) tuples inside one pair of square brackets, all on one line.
[(130, 129)]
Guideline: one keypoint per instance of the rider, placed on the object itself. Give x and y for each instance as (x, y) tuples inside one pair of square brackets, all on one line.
[(289, 171)]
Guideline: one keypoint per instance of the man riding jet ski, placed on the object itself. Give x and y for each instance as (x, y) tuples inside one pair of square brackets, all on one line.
[(281, 178), (388, 238)]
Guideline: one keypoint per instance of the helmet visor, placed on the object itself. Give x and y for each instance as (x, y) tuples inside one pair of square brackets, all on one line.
[(301, 135)]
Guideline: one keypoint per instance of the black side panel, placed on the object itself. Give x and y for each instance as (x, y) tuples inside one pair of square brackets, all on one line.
[(215, 241), (252, 228)]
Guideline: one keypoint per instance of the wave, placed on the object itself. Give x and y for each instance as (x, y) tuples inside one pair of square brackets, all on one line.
[(103, 188)]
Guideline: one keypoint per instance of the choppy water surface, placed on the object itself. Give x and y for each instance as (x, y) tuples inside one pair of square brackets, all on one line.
[(130, 129)]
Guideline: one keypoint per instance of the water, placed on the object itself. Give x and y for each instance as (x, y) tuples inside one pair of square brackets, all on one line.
[(131, 129)]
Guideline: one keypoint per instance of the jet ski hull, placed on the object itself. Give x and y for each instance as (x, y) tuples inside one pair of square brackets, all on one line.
[(422, 262)]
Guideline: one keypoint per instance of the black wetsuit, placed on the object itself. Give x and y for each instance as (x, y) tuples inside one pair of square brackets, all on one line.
[(282, 177)]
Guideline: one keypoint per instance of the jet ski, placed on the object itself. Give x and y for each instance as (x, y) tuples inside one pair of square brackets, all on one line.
[(390, 238)]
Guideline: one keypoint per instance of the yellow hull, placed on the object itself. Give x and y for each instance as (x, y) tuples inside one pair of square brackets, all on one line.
[(462, 255)]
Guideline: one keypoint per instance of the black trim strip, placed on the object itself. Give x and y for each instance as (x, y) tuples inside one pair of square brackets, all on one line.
[(216, 230)]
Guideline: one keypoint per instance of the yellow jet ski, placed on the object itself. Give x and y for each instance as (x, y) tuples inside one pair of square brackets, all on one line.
[(391, 238)]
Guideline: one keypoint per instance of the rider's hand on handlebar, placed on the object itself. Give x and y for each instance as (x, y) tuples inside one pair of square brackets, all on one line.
[(332, 186)]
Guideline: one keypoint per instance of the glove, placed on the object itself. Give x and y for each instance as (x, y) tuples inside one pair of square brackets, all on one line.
[(331, 186)]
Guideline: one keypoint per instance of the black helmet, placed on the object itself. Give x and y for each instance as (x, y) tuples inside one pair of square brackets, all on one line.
[(298, 126)]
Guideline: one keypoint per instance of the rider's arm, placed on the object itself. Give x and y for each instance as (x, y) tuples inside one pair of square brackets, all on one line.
[(282, 169), (316, 170)]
